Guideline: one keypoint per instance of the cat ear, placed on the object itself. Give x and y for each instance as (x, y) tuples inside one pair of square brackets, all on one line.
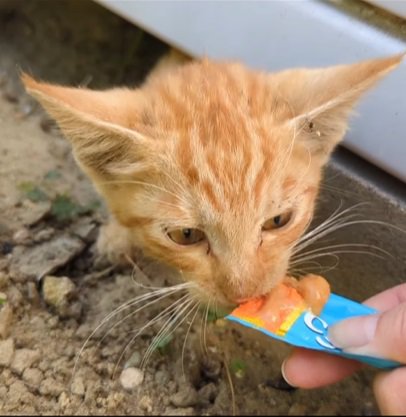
[(322, 99), (96, 123)]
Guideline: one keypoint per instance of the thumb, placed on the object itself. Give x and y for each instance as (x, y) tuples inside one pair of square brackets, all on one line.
[(389, 389), (381, 335)]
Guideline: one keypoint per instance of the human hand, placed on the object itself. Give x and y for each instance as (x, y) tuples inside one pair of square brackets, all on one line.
[(380, 335)]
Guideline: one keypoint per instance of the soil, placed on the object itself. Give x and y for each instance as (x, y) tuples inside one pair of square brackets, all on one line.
[(57, 290)]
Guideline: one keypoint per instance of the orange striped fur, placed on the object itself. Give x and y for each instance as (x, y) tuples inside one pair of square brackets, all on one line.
[(213, 146)]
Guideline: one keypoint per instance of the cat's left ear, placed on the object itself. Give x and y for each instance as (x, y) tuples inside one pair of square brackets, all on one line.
[(322, 99), (101, 126)]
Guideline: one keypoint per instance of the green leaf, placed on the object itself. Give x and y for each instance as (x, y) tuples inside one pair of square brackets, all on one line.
[(3, 298), (64, 208), (92, 206), (33, 192), (215, 314), (163, 344), (238, 367), (52, 175), (211, 316)]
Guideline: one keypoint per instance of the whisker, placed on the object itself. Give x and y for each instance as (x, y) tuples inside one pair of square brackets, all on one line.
[(322, 230), (205, 314), (184, 285), (163, 331), (230, 381), (339, 226), (168, 330), (205, 327), (160, 293), (343, 245), (334, 254), (168, 311), (132, 314), (196, 307), (336, 215)]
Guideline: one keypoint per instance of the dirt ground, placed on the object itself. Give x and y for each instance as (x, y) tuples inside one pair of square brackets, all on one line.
[(49, 222)]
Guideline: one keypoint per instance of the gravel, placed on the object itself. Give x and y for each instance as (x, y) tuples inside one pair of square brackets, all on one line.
[(185, 397), (78, 387), (41, 260), (33, 377), (23, 359), (131, 378), (58, 292), (6, 352), (6, 319)]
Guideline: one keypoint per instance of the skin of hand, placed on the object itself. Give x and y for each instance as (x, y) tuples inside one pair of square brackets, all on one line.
[(382, 335)]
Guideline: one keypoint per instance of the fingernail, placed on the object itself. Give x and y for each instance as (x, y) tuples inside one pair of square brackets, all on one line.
[(283, 372), (355, 332)]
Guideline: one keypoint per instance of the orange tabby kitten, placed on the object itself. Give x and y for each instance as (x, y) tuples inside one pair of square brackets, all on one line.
[(209, 166)]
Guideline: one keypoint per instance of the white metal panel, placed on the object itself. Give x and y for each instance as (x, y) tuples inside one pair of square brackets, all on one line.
[(273, 35)]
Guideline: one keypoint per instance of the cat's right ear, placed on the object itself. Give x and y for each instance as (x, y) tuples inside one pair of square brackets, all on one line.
[(99, 126), (321, 100)]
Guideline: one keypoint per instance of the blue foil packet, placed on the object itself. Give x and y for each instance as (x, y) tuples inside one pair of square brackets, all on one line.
[(301, 328)]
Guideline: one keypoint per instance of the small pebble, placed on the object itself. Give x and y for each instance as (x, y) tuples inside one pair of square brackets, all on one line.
[(133, 361), (4, 280), (56, 290), (6, 352), (32, 293), (145, 403), (22, 236), (297, 409), (44, 234), (33, 377), (24, 358), (14, 297), (211, 368), (6, 318), (78, 387), (208, 393), (51, 387), (185, 397), (162, 377), (131, 378), (63, 400), (18, 393), (58, 293)]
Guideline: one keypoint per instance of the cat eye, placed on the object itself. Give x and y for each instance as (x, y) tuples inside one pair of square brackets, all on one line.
[(186, 237), (277, 222)]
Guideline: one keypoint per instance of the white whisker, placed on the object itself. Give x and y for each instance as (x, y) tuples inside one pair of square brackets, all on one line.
[(159, 294), (169, 328), (196, 307), (343, 245), (168, 311), (334, 254)]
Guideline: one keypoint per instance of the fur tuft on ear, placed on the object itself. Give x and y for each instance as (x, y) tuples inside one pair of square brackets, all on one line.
[(322, 99), (95, 122)]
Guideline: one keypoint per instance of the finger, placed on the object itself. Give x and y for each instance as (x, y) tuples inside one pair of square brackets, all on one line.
[(311, 369), (388, 299), (390, 389), (379, 335)]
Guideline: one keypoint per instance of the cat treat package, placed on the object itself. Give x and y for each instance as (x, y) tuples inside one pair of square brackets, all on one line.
[(289, 315)]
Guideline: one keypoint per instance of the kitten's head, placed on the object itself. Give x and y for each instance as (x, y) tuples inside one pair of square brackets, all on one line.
[(213, 167)]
